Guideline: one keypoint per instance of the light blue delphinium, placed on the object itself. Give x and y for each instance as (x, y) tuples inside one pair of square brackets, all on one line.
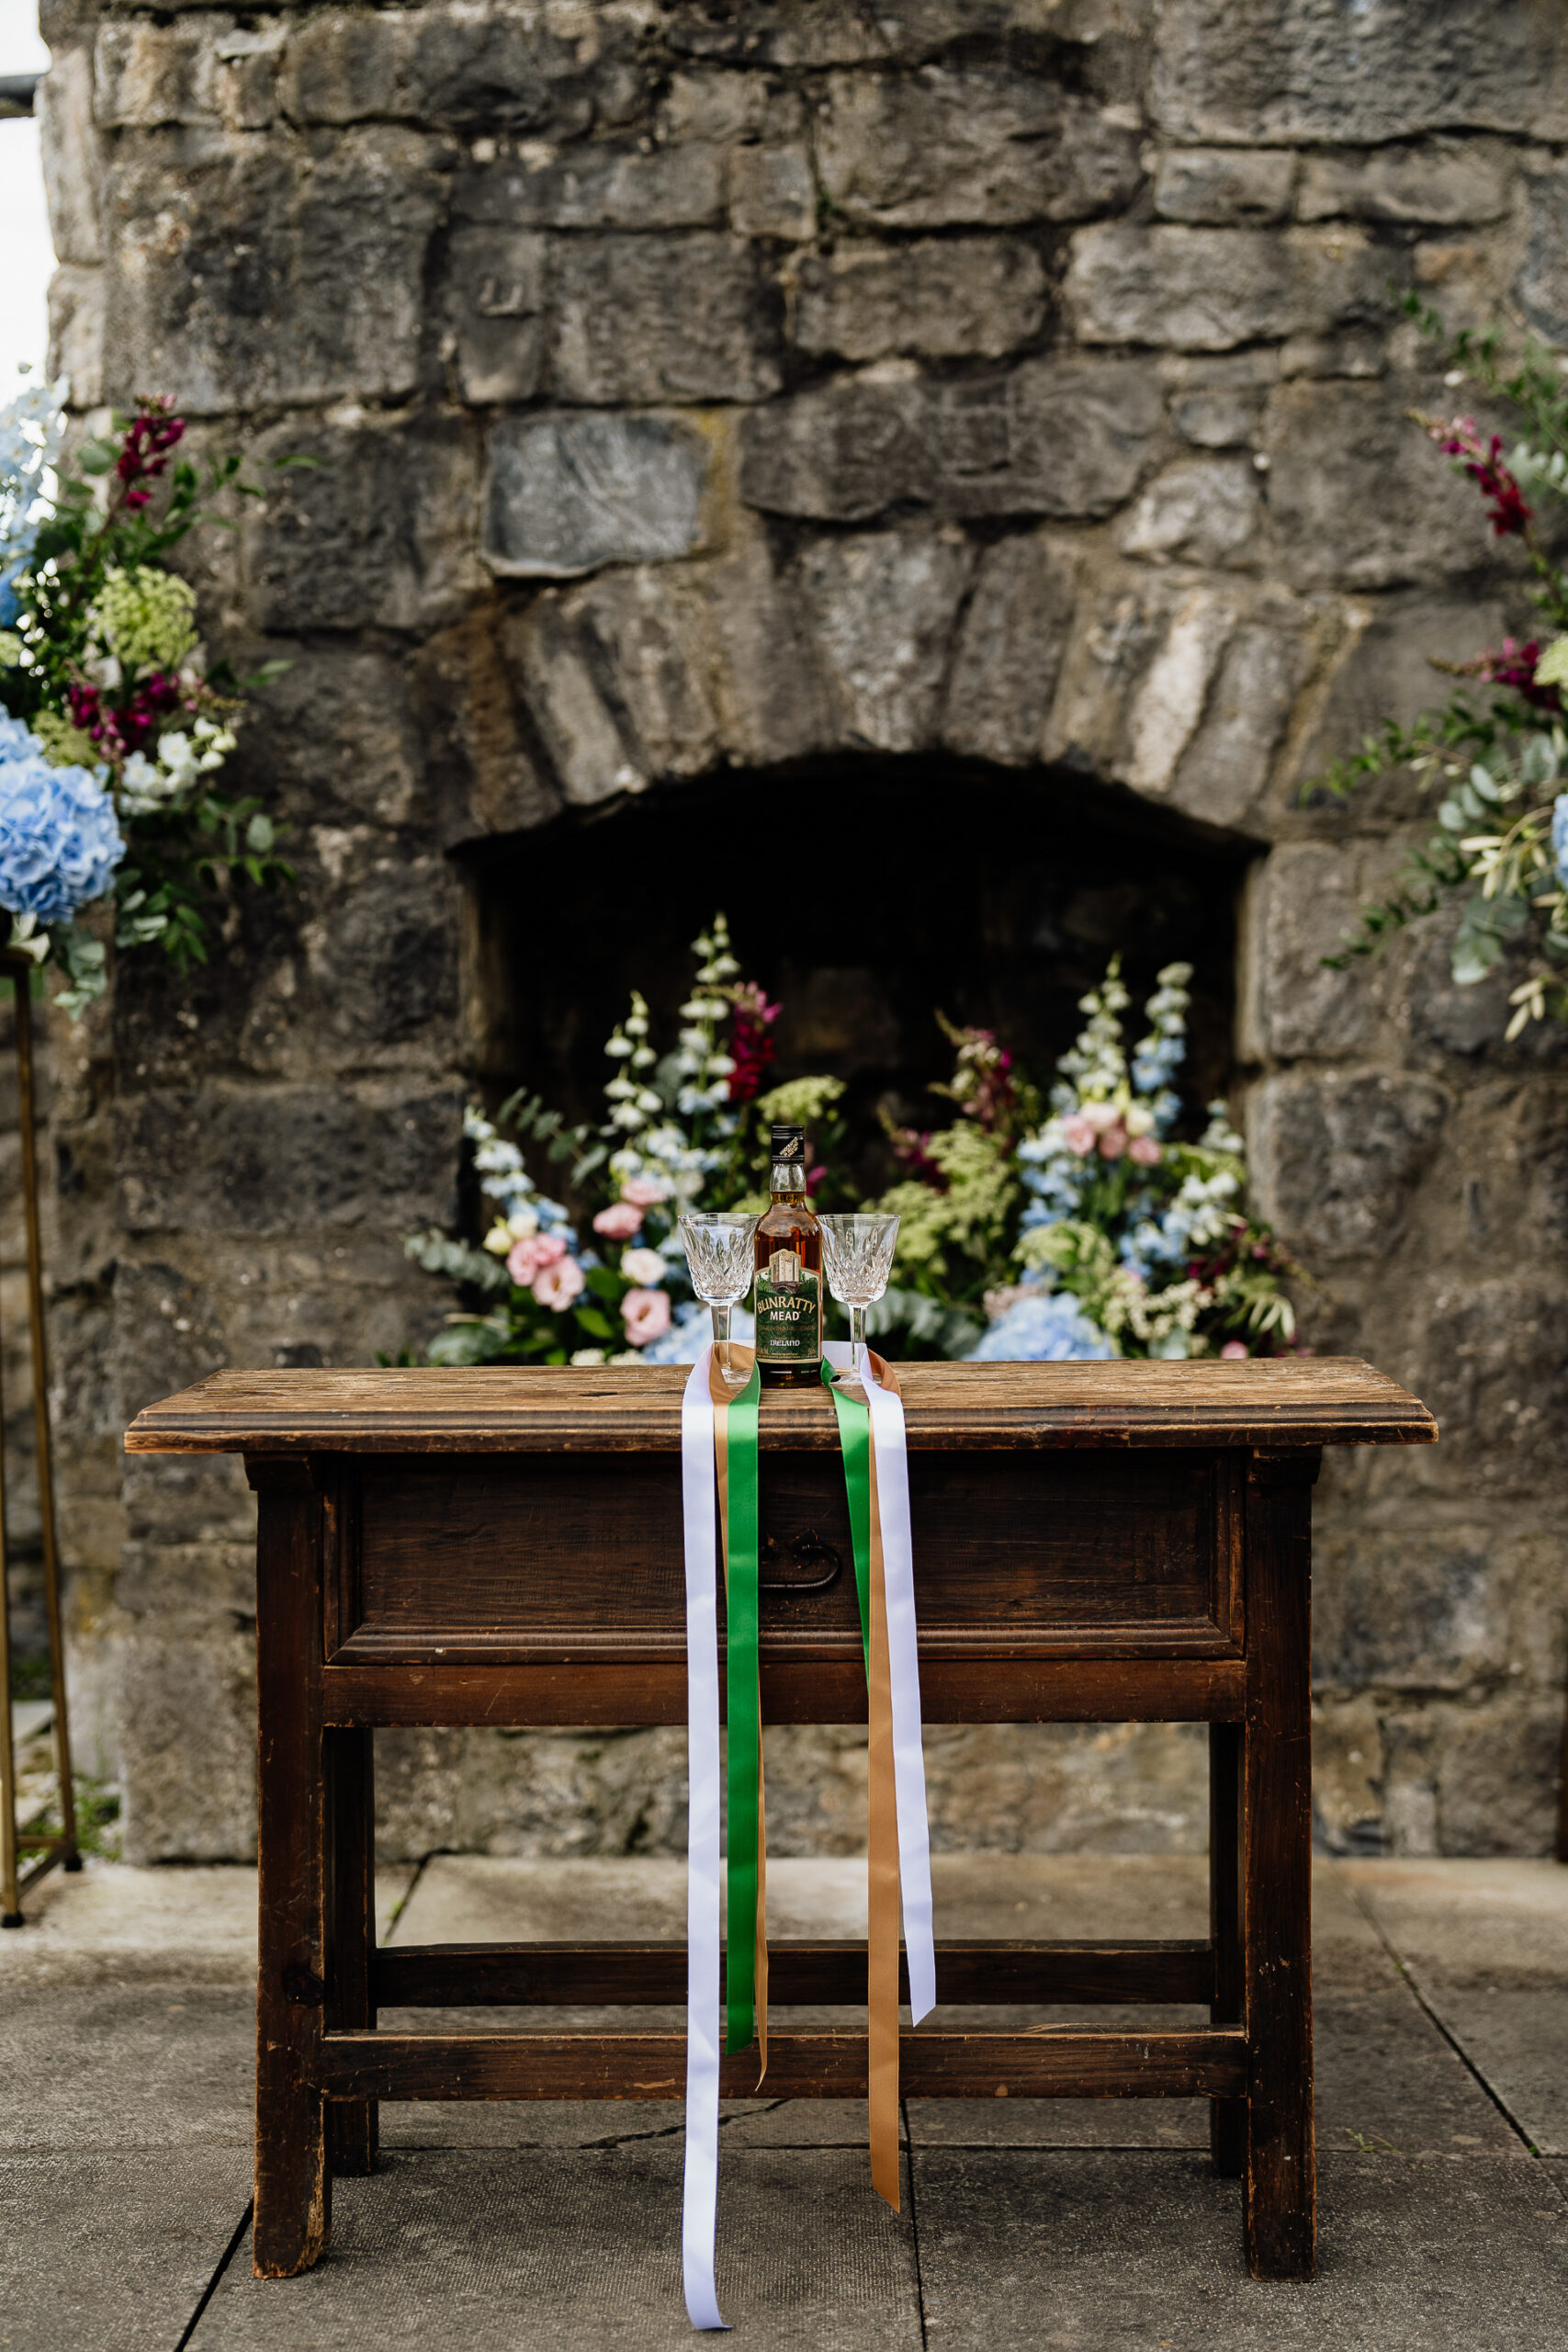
[(30, 429), (1560, 835), (1048, 1327), (60, 841)]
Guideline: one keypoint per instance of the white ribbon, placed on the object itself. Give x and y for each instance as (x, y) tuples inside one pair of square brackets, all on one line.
[(700, 2200), (890, 1468)]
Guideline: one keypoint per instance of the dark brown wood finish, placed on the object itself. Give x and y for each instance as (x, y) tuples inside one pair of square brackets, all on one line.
[(503, 1546), (1227, 2118), (293, 2184), (1280, 1401), (1281, 2172), (460, 1976), (587, 1685), (1055, 2062), (349, 1770)]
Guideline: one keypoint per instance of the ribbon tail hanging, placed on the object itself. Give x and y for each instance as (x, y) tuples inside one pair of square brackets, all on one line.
[(892, 1495), (882, 1886), (746, 1962), (700, 2195), (871, 1484)]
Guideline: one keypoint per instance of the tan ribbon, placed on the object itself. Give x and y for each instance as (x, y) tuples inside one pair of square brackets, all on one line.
[(721, 1394), (882, 1882)]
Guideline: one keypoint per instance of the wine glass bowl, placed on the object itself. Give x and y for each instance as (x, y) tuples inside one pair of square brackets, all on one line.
[(857, 1251), (717, 1243)]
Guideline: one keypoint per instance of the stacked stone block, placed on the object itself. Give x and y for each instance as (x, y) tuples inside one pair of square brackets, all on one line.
[(694, 386)]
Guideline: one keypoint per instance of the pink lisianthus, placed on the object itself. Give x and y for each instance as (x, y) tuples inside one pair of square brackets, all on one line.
[(558, 1284), (1145, 1151), (1078, 1134), (1234, 1350), (1112, 1140), (646, 1316), (619, 1221), (644, 1191), (530, 1257)]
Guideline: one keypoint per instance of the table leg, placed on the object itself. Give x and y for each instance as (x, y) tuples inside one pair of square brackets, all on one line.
[(1281, 2172), (293, 2209), (349, 1759), (1227, 2117)]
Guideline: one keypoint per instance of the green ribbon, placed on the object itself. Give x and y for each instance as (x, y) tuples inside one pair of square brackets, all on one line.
[(854, 1444), (743, 1694)]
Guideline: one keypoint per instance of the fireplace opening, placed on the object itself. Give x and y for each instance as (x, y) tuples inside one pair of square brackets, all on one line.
[(866, 896)]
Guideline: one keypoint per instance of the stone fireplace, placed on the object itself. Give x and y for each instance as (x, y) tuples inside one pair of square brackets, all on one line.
[(980, 427)]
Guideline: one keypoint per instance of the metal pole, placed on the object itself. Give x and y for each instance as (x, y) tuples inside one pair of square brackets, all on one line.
[(21, 981), (14, 1881)]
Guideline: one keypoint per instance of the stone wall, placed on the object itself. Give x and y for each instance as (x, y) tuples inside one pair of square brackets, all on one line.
[(726, 386)]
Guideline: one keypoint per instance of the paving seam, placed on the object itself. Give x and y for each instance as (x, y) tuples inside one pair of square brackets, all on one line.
[(408, 1893), (210, 2289), (1408, 1976), (914, 2223)]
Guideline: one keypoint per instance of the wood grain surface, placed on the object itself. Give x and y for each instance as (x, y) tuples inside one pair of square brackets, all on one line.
[(460, 1976), (1280, 1401), (1056, 2061)]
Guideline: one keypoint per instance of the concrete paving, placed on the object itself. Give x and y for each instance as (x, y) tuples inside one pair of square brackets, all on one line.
[(125, 2049)]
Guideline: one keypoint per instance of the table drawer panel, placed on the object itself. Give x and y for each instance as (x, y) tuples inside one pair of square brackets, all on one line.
[(535, 1546)]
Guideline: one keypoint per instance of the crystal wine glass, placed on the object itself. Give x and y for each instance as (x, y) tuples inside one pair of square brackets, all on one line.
[(857, 1250), (718, 1251)]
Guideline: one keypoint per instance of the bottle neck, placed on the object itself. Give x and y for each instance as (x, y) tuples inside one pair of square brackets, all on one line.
[(788, 1181)]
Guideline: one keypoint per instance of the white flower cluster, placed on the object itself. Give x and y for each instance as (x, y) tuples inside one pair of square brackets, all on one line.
[(182, 760), (633, 1102), (703, 1069), (1094, 1069), (521, 1209)]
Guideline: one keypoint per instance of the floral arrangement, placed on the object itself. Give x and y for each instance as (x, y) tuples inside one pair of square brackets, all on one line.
[(116, 723), (1078, 1228), (679, 1131), (1091, 1230), (1499, 764)]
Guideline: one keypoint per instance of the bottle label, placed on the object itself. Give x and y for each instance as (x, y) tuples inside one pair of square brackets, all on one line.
[(789, 1311)]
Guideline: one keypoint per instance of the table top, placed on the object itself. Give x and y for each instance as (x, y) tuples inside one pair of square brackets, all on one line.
[(1280, 1401)]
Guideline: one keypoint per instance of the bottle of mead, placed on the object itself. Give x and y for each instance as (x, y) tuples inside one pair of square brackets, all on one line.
[(788, 1298)]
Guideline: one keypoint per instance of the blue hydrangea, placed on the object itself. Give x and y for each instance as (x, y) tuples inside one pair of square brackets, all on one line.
[(1559, 834), (60, 842), (1048, 1327)]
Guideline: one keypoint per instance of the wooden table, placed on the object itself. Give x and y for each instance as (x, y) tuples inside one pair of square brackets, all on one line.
[(1093, 1543)]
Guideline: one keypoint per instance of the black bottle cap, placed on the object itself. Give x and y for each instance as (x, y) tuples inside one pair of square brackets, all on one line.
[(789, 1143)]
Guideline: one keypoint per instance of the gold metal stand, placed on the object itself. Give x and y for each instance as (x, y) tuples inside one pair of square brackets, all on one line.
[(47, 1846)]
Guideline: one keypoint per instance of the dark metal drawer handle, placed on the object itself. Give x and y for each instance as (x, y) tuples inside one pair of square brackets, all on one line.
[(808, 1552)]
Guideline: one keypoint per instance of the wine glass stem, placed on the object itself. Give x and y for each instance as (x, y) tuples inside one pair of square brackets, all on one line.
[(857, 1334), (721, 1338)]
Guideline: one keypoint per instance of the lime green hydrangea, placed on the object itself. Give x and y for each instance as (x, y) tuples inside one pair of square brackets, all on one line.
[(10, 649), (64, 746), (146, 618), (800, 1103), (968, 1217)]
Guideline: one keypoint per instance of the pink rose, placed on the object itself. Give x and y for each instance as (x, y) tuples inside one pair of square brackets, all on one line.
[(619, 1221), (1234, 1349), (530, 1257), (1145, 1151), (1077, 1133), (644, 1191), (558, 1284), (1113, 1140), (647, 1314)]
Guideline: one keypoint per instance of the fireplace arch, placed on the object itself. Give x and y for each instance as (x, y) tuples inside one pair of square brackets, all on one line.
[(916, 885)]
